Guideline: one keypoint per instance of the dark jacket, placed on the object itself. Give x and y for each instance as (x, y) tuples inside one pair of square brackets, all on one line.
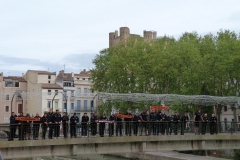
[(153, 116), (50, 117), (213, 119), (163, 117), (93, 119), (43, 120), (144, 116), (13, 120), (85, 120), (73, 119), (176, 119), (128, 119), (65, 120), (184, 119), (37, 123), (136, 118), (57, 118)]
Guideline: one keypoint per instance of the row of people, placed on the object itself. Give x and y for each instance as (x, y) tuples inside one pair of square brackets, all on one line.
[(160, 123)]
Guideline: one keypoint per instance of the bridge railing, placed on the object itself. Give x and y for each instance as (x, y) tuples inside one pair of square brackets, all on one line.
[(32, 131)]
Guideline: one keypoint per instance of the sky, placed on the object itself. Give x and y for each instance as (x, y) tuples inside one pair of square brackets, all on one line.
[(53, 35)]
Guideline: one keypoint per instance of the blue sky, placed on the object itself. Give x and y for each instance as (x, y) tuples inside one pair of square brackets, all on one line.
[(46, 34)]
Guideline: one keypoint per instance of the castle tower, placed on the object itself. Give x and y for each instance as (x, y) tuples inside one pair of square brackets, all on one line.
[(148, 35), (154, 35), (124, 33)]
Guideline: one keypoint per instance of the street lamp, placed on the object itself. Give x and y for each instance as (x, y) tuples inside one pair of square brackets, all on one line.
[(64, 95), (19, 95)]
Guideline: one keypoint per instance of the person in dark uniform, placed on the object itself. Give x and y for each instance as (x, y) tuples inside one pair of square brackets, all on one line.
[(204, 124), (144, 123), (85, 120), (128, 126), (213, 124), (153, 119), (136, 122), (73, 122), (102, 122), (111, 125), (57, 118), (44, 121), (176, 121), (197, 118), (94, 121), (118, 124), (20, 128), (36, 126), (184, 121), (50, 123), (163, 122), (170, 124), (159, 118), (13, 126), (65, 120), (27, 128)]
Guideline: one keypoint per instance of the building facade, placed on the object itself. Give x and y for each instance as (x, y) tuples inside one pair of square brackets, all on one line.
[(114, 38), (12, 96), (43, 92)]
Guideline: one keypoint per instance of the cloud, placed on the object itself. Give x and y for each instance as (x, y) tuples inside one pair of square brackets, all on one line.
[(73, 63)]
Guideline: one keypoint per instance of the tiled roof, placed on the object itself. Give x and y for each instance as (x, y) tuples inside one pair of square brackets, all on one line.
[(15, 78), (50, 86), (64, 76)]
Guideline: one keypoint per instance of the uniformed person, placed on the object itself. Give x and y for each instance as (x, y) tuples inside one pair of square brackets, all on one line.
[(27, 128), (118, 124), (128, 126), (20, 128), (153, 123), (50, 123), (44, 121), (197, 118), (94, 121), (136, 122), (57, 118), (36, 126), (176, 121), (102, 119), (184, 121), (13, 126), (204, 124), (65, 120), (144, 123), (170, 124), (213, 124), (73, 122), (111, 124), (163, 122), (84, 123)]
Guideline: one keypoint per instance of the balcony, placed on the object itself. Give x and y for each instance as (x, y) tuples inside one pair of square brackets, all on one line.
[(68, 88), (87, 110), (80, 82), (72, 98)]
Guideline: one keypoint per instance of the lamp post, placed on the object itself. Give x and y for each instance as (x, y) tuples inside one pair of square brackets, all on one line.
[(19, 94), (65, 98)]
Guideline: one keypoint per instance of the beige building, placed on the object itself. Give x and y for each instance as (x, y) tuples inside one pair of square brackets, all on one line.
[(114, 38), (12, 96), (66, 81), (43, 92), (85, 99)]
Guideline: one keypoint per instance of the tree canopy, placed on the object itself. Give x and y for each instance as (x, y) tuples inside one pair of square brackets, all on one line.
[(189, 65)]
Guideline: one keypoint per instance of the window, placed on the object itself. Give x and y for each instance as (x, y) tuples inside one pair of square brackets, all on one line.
[(225, 108), (83, 78), (56, 104), (72, 93), (78, 114), (49, 81), (49, 104), (85, 91), (49, 76), (65, 107), (89, 79), (6, 119), (72, 106), (79, 91), (7, 97), (49, 92), (11, 84), (85, 104), (6, 108), (77, 78), (78, 105), (56, 92), (38, 106)]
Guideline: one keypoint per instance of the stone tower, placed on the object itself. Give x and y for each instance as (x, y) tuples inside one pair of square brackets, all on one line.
[(124, 33)]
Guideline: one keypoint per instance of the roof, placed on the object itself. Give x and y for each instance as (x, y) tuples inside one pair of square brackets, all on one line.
[(84, 73), (64, 76), (43, 72), (50, 86), (14, 78)]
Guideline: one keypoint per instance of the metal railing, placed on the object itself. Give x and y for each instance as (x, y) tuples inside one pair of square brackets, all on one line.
[(35, 131)]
